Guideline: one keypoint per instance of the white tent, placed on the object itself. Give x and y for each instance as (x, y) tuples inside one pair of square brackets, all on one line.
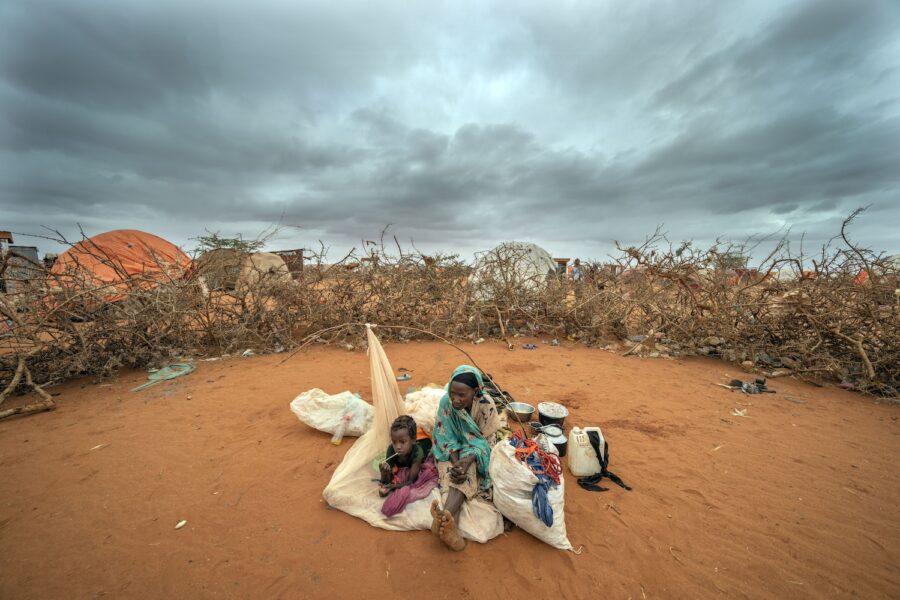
[(227, 269), (518, 265), (891, 264)]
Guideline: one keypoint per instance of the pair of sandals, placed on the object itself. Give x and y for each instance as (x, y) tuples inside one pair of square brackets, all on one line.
[(757, 387), (444, 527)]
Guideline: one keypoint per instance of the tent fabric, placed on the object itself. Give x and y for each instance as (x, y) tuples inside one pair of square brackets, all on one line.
[(351, 488), (513, 264), (119, 260), (229, 269), (264, 265)]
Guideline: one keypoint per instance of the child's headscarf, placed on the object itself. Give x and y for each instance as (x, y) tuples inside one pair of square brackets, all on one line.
[(456, 431)]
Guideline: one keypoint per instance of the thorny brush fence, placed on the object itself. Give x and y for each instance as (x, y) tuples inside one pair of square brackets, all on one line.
[(823, 322)]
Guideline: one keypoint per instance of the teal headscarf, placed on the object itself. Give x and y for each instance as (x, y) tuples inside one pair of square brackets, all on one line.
[(456, 431)]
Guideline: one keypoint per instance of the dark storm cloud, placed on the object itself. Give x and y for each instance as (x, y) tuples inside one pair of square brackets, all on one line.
[(824, 43), (571, 126)]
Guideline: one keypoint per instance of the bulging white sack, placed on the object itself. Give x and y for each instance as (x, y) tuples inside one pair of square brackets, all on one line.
[(324, 411), (513, 483), (422, 406)]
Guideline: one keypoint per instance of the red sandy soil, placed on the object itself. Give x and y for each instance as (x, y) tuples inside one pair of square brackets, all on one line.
[(799, 499)]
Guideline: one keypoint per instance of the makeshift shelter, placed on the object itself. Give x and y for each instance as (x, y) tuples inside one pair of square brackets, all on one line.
[(514, 265), (117, 261), (293, 259), (351, 489), (22, 271), (228, 269)]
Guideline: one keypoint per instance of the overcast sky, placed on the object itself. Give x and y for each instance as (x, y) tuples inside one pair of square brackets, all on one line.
[(461, 123)]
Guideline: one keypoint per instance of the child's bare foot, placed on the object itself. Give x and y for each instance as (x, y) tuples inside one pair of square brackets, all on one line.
[(450, 534), (436, 514), (383, 491)]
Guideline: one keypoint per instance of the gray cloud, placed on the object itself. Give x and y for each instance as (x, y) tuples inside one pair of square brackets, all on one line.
[(572, 126)]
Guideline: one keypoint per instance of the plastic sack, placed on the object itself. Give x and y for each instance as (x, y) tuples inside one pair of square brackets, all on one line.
[(513, 483), (479, 521), (324, 412), (422, 406), (351, 488)]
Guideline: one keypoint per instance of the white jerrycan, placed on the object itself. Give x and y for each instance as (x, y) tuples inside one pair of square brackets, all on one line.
[(582, 459)]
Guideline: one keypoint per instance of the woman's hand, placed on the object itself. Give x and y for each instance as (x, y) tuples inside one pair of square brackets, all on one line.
[(458, 478), (458, 472)]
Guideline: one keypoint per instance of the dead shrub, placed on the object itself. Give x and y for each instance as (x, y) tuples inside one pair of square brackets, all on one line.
[(822, 322)]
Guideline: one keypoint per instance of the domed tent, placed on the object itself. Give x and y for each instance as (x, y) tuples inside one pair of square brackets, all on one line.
[(118, 260), (229, 269), (520, 265)]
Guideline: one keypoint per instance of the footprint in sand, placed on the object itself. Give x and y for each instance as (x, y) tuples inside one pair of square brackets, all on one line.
[(700, 495)]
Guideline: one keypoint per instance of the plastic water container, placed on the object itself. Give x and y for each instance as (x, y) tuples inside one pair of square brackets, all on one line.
[(338, 436), (582, 458)]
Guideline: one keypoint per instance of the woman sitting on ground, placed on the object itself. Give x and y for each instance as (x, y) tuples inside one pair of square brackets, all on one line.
[(467, 426)]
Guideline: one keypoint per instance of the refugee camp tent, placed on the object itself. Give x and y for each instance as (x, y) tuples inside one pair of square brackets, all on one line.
[(228, 269), (887, 266), (118, 260), (512, 264)]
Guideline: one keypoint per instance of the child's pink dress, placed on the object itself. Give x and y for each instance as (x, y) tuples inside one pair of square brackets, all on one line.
[(399, 498)]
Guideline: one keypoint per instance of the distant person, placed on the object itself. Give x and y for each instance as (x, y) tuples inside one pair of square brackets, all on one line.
[(577, 278), (577, 273)]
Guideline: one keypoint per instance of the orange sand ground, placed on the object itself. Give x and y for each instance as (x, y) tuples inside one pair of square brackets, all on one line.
[(799, 499)]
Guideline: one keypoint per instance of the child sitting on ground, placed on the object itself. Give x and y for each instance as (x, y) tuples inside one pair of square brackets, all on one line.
[(406, 452), (408, 473)]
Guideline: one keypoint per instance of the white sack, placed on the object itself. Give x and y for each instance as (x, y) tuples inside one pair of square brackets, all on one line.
[(324, 412), (513, 483), (351, 488), (422, 406)]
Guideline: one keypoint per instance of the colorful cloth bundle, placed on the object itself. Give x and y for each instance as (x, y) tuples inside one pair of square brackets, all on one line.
[(399, 498), (546, 468)]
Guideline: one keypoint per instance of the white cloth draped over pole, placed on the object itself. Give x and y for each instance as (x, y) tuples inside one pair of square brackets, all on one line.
[(388, 406)]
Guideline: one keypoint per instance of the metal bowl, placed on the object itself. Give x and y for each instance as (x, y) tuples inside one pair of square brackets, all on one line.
[(519, 411), (552, 431)]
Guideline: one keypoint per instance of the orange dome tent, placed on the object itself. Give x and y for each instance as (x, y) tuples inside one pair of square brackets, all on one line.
[(120, 260)]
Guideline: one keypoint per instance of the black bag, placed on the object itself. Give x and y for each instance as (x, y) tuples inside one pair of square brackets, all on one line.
[(500, 397), (591, 483)]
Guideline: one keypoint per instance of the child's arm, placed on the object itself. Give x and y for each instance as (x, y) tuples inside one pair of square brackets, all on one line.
[(386, 473), (414, 471), (413, 476)]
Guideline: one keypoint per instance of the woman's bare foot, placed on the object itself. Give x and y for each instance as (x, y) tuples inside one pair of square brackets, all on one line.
[(436, 514), (450, 534)]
